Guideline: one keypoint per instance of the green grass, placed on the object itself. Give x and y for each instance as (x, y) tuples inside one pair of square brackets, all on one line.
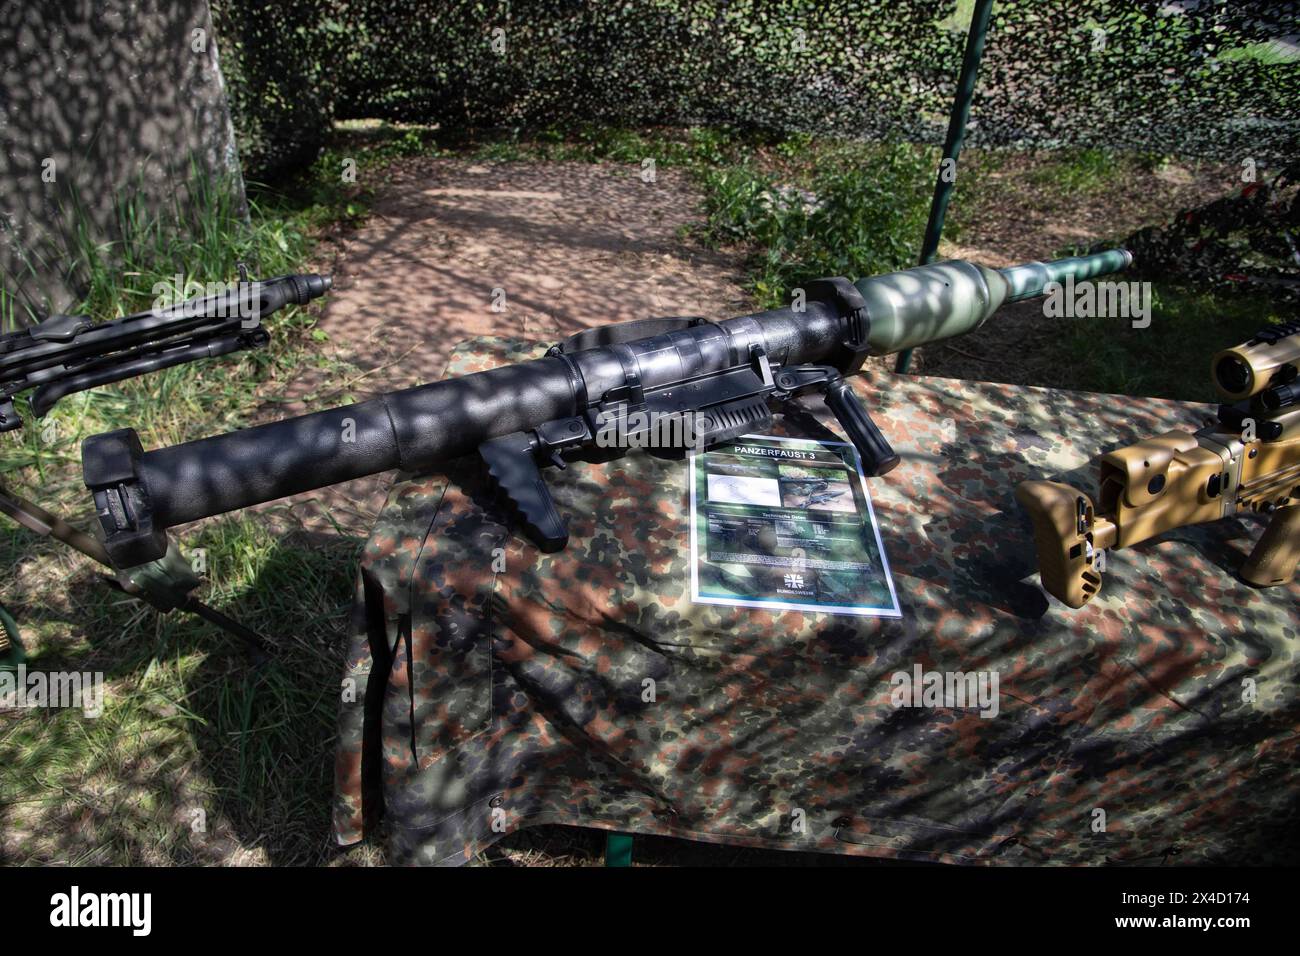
[(200, 235), (1078, 171), (1170, 358), (190, 725)]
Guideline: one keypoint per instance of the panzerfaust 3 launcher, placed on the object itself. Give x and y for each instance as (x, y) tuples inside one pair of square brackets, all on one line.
[(729, 376)]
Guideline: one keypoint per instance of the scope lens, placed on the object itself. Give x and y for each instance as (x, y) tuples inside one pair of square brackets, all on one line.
[(1233, 375)]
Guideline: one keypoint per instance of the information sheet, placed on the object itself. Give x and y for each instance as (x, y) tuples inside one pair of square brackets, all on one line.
[(787, 524)]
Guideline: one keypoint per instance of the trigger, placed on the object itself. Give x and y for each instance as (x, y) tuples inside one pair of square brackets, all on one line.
[(522, 492)]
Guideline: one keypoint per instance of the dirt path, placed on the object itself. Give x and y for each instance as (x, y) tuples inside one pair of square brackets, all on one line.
[(555, 247), (456, 249)]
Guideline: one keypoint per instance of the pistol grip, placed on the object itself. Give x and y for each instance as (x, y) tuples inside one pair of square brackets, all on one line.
[(1063, 534), (1277, 553), (522, 491)]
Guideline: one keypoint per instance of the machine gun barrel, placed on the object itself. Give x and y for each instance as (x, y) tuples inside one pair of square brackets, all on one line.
[(725, 374), (67, 353)]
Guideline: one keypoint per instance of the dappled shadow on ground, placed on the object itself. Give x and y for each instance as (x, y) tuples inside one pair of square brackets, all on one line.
[(201, 755), (455, 249)]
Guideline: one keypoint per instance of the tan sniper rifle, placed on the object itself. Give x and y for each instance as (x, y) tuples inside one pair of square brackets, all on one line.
[(1248, 462)]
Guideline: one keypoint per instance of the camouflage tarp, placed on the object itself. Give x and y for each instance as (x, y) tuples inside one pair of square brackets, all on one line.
[(486, 700)]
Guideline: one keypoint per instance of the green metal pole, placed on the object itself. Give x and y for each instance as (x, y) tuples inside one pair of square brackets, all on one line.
[(970, 65), (618, 849)]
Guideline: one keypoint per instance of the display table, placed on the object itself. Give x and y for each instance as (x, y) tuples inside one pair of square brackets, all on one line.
[(491, 687)]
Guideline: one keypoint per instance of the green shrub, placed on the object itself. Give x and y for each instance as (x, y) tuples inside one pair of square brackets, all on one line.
[(854, 211)]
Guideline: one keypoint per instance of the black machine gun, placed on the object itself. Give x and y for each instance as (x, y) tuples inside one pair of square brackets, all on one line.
[(64, 354)]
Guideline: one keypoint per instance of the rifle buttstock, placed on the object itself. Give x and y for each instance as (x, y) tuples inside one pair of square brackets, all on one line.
[(1068, 537)]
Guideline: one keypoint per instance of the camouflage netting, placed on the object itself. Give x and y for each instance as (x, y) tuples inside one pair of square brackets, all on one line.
[(278, 58), (1192, 78), (1244, 240)]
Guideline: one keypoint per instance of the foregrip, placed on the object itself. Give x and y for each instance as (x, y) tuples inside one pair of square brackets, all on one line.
[(1276, 555), (878, 458)]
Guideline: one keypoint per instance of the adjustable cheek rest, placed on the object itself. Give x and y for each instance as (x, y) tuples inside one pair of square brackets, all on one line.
[(1144, 467)]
